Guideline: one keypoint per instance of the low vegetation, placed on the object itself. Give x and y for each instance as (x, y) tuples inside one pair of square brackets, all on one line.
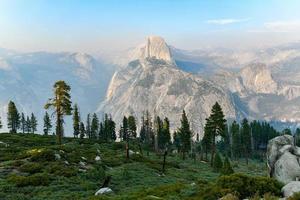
[(35, 167)]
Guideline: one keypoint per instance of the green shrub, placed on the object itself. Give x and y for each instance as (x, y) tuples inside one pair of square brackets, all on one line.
[(96, 174), (31, 168), (296, 196), (44, 155), (18, 163), (247, 186), (60, 169), (227, 169), (217, 164), (33, 180), (230, 197)]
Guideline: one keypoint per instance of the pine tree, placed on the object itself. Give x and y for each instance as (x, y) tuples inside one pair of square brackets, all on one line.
[(124, 129), (227, 169), (236, 139), (23, 123), (217, 163), (61, 102), (28, 125), (131, 126), (246, 139), (13, 118), (88, 126), (159, 140), (147, 132), (94, 126), (81, 130), (0, 123), (176, 141), (34, 123), (166, 133), (185, 134), (206, 140), (216, 124), (47, 124), (76, 121), (112, 130)]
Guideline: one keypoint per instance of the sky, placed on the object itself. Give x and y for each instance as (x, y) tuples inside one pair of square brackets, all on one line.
[(95, 26)]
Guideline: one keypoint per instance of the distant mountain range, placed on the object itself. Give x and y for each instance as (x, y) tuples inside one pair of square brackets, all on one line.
[(258, 84)]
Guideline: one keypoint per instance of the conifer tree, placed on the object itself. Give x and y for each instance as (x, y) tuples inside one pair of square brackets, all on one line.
[(0, 123), (185, 134), (81, 130), (101, 132), (131, 126), (33, 123), (236, 139), (176, 141), (158, 133), (88, 126), (61, 102), (28, 125), (246, 139), (147, 132), (47, 124), (94, 126), (76, 121), (227, 169), (217, 163), (206, 140), (112, 130), (23, 123), (124, 129), (216, 124), (13, 118), (166, 132)]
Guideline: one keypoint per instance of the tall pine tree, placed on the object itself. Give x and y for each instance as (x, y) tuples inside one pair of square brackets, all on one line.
[(62, 105), (216, 124), (185, 134), (246, 139), (47, 124), (76, 121), (23, 123), (33, 123), (13, 118)]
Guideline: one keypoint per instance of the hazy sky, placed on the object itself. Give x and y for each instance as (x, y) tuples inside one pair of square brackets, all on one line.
[(108, 25)]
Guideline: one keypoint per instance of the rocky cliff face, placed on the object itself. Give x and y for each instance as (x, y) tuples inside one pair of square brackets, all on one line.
[(153, 82)]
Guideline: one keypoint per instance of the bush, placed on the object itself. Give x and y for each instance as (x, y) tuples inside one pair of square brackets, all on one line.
[(31, 168), (44, 155), (227, 169), (296, 196), (33, 180), (230, 197), (96, 174), (247, 186), (61, 170), (218, 164)]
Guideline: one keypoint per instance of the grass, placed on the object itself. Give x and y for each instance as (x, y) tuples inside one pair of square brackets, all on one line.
[(29, 169)]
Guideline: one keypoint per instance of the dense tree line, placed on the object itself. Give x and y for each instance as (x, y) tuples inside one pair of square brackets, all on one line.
[(232, 140)]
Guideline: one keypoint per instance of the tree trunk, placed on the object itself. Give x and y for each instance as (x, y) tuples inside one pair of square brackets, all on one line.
[(141, 150), (213, 150), (58, 127), (127, 150), (164, 163)]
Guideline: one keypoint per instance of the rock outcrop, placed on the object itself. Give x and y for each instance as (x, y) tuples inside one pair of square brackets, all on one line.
[(154, 83), (291, 188), (104, 190), (283, 159)]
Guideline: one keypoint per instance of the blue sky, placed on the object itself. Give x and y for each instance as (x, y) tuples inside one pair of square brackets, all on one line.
[(105, 25)]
